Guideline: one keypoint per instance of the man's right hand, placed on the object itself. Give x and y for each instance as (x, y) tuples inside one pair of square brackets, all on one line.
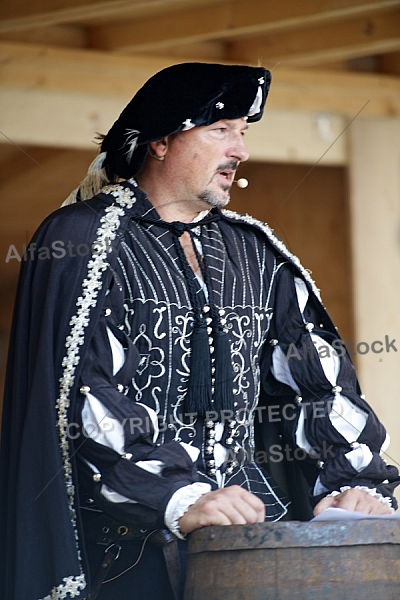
[(232, 505)]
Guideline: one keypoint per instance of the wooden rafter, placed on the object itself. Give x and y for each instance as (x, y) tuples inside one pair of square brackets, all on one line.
[(52, 96), (227, 20), (19, 15), (322, 43)]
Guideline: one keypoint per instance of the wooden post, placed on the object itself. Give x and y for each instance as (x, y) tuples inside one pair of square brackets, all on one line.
[(375, 234)]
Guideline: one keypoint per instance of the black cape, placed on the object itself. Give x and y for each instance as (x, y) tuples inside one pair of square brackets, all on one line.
[(55, 316)]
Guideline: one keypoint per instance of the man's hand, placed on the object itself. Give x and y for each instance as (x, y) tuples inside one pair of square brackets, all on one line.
[(353, 500), (228, 506)]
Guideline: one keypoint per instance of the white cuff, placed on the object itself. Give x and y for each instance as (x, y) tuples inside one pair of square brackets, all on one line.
[(371, 491), (180, 502)]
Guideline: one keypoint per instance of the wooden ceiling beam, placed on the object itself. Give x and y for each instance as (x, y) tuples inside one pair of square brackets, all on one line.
[(57, 35), (18, 15), (248, 16), (94, 86), (323, 43), (39, 67), (226, 20)]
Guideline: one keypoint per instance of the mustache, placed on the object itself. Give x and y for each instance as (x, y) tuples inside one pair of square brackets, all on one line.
[(231, 165)]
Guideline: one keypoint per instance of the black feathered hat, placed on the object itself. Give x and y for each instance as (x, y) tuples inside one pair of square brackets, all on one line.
[(176, 99)]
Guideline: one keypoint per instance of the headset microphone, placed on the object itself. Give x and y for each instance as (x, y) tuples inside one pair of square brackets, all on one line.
[(241, 183)]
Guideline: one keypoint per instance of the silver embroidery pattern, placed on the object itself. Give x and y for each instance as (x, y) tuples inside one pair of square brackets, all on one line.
[(72, 586), (275, 242), (91, 286)]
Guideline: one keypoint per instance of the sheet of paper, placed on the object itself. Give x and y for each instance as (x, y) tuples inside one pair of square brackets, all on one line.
[(339, 514)]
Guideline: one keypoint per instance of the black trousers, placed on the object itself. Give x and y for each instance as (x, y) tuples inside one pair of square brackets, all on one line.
[(148, 580)]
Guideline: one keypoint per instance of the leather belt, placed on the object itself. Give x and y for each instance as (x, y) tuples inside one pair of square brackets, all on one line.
[(102, 529)]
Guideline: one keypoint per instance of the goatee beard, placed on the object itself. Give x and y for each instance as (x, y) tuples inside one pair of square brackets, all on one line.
[(214, 199)]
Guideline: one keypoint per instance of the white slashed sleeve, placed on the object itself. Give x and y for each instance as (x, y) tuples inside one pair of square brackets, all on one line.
[(105, 429), (347, 418)]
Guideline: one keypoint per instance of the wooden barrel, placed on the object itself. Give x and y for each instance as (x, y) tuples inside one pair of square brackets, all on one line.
[(357, 560)]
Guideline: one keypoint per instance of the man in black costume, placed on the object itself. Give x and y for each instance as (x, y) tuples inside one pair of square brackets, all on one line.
[(153, 331)]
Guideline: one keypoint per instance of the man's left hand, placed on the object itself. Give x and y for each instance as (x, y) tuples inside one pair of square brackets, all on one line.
[(353, 499)]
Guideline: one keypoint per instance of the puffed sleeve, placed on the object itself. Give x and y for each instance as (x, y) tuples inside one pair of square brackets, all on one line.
[(330, 425), (127, 472)]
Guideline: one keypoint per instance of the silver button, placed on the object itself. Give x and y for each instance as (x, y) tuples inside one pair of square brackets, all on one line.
[(274, 342), (120, 387), (126, 455), (231, 467), (337, 389), (84, 389), (298, 400), (97, 477), (320, 464), (107, 312), (309, 326), (219, 105)]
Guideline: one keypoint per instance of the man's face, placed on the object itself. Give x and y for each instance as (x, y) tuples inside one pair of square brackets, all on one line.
[(203, 161)]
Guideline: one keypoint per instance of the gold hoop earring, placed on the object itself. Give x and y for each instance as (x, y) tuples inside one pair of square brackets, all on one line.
[(161, 158)]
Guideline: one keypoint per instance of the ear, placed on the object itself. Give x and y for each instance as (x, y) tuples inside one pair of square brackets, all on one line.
[(159, 148)]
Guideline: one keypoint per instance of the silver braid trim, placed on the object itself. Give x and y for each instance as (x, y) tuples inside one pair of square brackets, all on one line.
[(276, 242), (91, 287), (71, 586)]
